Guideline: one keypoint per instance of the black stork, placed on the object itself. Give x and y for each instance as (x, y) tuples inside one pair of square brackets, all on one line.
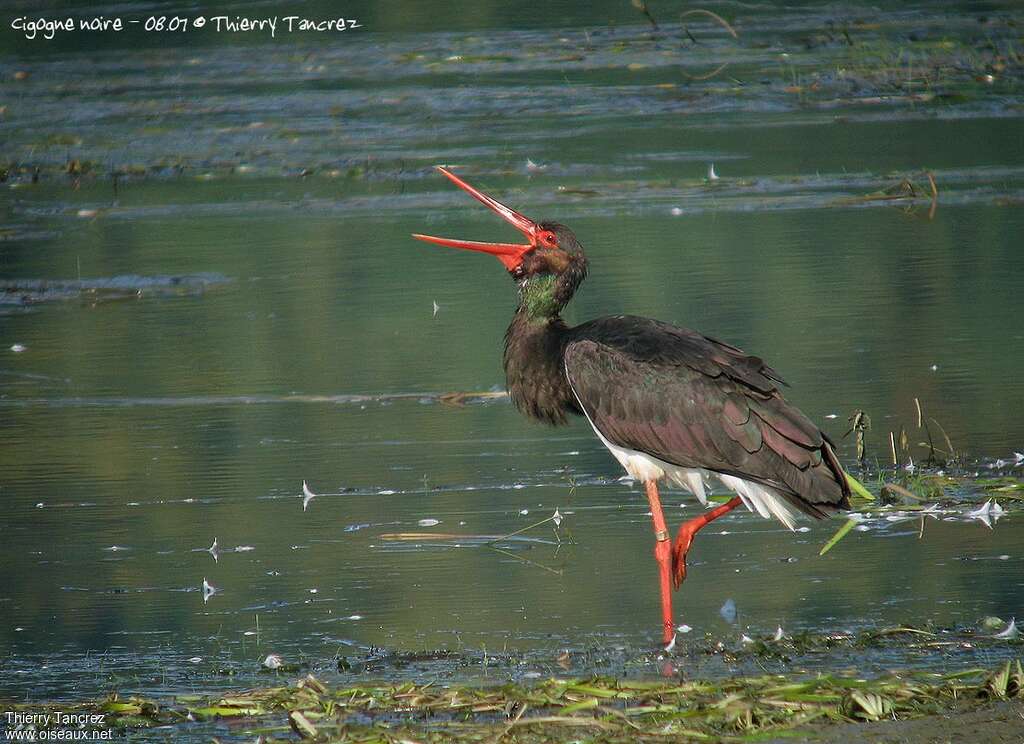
[(668, 402)]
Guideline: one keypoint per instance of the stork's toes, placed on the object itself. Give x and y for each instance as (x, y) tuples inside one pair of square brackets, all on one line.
[(678, 565)]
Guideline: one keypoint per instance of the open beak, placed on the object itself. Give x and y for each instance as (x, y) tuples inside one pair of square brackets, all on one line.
[(510, 254)]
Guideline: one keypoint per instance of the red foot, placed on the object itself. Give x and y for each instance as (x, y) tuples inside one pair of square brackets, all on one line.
[(679, 551), (685, 537)]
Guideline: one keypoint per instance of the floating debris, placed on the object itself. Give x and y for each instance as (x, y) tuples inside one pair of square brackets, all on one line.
[(779, 634), (557, 518), (436, 308), (302, 725), (988, 514), (1010, 632), (683, 628), (208, 590), (712, 176), (429, 522), (273, 661), (99, 289), (18, 348), (307, 496), (214, 551)]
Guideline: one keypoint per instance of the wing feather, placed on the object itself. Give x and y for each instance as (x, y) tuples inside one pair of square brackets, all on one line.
[(699, 403)]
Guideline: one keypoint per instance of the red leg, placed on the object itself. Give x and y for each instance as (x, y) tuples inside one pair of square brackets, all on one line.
[(688, 530), (663, 554)]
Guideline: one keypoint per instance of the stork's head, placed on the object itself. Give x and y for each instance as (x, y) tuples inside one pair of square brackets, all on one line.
[(551, 256)]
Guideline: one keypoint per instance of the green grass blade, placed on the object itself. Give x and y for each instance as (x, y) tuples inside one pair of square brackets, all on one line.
[(840, 534), (858, 488)]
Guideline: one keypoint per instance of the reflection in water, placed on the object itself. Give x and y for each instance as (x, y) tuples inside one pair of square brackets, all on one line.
[(289, 331)]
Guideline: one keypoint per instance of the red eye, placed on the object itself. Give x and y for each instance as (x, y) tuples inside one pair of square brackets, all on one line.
[(548, 238)]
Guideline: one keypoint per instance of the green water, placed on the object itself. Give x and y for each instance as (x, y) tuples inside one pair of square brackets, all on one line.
[(278, 324)]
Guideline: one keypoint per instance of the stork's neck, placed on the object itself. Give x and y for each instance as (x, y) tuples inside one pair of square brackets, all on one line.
[(534, 366), (540, 299), (535, 348)]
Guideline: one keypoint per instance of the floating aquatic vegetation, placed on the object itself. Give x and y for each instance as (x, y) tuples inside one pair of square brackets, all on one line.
[(104, 289), (904, 192), (848, 525), (608, 709), (1010, 632)]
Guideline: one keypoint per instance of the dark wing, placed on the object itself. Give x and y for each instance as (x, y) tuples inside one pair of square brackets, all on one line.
[(695, 402)]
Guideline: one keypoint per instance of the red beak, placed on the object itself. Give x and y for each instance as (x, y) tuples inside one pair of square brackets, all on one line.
[(510, 254)]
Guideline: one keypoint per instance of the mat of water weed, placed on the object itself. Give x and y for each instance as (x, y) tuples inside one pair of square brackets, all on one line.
[(599, 709)]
